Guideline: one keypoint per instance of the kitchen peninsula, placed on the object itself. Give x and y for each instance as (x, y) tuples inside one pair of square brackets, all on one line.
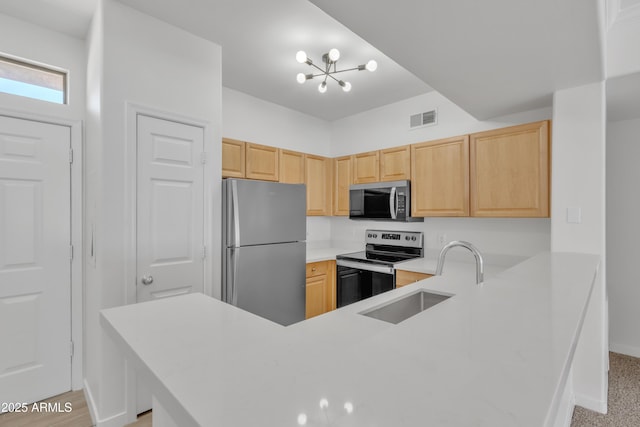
[(499, 354)]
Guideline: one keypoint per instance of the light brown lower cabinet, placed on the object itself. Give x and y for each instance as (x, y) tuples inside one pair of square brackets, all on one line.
[(404, 277), (321, 288)]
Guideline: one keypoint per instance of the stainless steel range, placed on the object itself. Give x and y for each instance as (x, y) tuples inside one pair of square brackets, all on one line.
[(370, 272)]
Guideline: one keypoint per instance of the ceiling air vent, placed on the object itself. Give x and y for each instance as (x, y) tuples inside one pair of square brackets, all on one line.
[(427, 118)]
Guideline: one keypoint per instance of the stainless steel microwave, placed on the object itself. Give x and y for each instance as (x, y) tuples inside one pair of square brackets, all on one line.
[(381, 201)]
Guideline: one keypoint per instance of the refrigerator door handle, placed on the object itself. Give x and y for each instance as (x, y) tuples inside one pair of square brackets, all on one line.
[(393, 208), (235, 214), (234, 278)]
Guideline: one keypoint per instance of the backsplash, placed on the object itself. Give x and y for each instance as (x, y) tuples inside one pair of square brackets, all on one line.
[(515, 236)]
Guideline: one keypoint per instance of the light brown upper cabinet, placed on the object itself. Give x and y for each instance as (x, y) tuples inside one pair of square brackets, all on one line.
[(342, 180), (395, 163), (319, 183), (233, 158), (510, 171), (262, 162), (440, 177), (291, 167), (366, 167)]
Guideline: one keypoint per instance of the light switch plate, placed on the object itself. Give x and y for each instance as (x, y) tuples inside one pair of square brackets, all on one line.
[(574, 215)]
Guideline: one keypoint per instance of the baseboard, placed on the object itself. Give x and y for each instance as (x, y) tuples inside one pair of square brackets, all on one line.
[(624, 349), (117, 420), (591, 404), (91, 403)]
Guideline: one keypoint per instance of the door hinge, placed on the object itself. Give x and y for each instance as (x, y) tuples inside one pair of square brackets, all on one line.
[(70, 155), (71, 348), (204, 252), (203, 157), (71, 252)]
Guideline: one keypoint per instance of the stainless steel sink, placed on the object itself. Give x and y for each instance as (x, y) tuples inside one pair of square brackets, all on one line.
[(409, 305)]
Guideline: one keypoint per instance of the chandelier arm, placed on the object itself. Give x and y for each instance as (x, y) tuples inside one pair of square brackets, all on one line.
[(329, 75), (314, 65), (348, 69)]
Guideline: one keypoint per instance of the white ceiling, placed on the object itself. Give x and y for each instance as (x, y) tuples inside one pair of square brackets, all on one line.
[(491, 58), (70, 17), (259, 41)]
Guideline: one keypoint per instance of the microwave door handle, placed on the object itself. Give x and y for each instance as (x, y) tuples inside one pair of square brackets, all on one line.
[(396, 203), (393, 203)]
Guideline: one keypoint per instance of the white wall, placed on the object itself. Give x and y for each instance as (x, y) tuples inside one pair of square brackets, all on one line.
[(388, 126), (93, 217), (248, 118), (623, 235), (135, 59), (515, 236), (578, 169), (36, 44), (251, 119), (623, 38)]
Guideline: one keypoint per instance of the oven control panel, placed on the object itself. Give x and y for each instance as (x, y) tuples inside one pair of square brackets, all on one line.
[(413, 239)]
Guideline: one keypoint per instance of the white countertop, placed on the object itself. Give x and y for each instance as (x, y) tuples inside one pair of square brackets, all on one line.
[(458, 261), (325, 254), (492, 355)]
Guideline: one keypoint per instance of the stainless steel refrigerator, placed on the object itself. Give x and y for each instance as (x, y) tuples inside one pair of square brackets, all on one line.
[(263, 232)]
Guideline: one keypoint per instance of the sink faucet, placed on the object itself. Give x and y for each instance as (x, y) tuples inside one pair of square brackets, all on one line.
[(474, 251)]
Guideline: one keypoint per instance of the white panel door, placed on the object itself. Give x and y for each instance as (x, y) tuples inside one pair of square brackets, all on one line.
[(170, 209), (35, 266)]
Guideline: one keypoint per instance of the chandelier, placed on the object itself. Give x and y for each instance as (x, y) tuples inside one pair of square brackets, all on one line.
[(330, 59)]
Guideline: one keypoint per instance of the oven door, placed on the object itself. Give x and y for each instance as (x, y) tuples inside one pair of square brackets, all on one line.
[(357, 281)]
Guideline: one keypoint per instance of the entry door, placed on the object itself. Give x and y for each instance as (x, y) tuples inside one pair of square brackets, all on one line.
[(35, 266), (170, 208)]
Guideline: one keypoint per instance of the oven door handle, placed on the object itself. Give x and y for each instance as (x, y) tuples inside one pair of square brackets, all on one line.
[(385, 269), (393, 203)]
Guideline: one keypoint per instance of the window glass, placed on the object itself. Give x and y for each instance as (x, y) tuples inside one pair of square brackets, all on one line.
[(32, 81)]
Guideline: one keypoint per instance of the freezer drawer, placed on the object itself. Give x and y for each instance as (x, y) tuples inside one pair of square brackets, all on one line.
[(267, 280)]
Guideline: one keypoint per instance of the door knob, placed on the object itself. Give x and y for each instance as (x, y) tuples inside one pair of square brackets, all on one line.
[(147, 280)]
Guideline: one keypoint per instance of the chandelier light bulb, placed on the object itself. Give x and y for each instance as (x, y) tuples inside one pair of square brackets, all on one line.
[(302, 419), (301, 56), (348, 406), (329, 70)]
